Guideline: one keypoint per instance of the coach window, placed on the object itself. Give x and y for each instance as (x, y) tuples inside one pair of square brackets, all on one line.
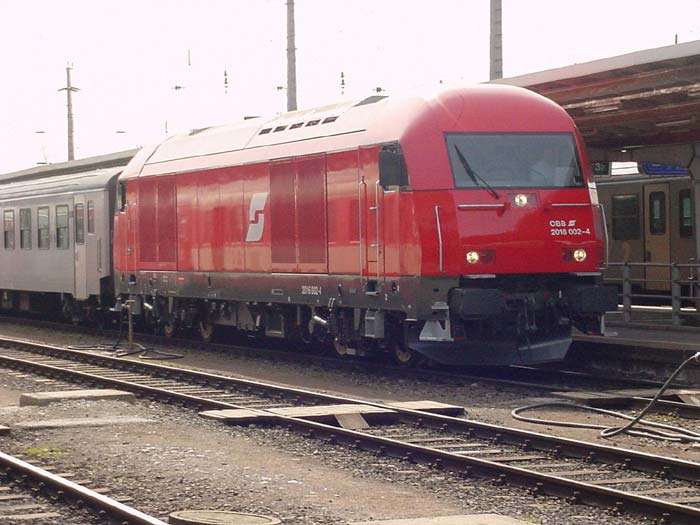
[(25, 229), (62, 240), (80, 223), (8, 220), (685, 221), (91, 217), (42, 223), (657, 213), (625, 217)]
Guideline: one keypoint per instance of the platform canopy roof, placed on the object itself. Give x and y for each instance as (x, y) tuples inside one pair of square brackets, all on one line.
[(646, 98)]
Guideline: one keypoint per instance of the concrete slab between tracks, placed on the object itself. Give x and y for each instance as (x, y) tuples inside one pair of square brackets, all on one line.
[(321, 413), (82, 422), (4, 430), (46, 398), (434, 407), (464, 519)]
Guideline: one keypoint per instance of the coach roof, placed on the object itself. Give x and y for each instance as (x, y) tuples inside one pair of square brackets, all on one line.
[(56, 185)]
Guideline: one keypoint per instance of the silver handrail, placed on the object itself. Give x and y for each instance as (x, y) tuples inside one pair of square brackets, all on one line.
[(480, 206), (439, 233), (359, 222), (376, 203)]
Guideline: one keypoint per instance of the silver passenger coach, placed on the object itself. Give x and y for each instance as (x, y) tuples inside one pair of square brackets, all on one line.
[(55, 245)]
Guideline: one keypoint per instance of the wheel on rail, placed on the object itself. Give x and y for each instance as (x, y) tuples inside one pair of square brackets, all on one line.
[(206, 330), (405, 357), (340, 349), (169, 329)]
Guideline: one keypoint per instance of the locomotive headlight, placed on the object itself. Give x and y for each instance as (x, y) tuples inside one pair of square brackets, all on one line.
[(472, 257), (580, 255)]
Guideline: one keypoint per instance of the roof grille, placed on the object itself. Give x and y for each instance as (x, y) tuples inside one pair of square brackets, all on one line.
[(370, 100)]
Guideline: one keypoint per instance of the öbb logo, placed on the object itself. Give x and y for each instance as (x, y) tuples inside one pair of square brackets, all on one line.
[(256, 217)]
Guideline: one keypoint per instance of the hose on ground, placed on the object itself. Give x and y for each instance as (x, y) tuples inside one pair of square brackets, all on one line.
[(653, 429), (118, 349)]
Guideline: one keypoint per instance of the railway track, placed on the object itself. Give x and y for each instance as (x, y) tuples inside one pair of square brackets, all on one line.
[(29, 493), (662, 488), (516, 376)]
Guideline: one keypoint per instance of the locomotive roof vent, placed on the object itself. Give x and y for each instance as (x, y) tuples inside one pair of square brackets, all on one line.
[(280, 128), (313, 122), (297, 125), (265, 131), (199, 130), (328, 120), (370, 100)]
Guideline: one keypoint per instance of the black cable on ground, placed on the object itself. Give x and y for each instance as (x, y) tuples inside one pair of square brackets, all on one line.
[(669, 432), (143, 352)]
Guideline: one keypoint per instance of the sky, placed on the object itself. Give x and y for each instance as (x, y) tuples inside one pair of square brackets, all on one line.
[(128, 57)]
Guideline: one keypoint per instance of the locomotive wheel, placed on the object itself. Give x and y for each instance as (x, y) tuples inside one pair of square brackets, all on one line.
[(405, 357), (206, 331), (169, 329), (340, 349)]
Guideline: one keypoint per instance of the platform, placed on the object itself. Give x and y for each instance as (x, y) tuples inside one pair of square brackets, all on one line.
[(650, 351), (670, 344)]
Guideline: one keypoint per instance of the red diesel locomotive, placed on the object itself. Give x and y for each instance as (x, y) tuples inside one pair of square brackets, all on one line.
[(464, 228)]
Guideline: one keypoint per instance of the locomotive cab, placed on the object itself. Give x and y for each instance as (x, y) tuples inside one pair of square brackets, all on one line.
[(521, 235)]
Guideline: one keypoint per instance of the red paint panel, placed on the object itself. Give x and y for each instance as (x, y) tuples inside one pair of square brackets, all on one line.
[(156, 223), (343, 211), (231, 219), (148, 233), (167, 221), (311, 213), (282, 216), (188, 248), (257, 189), (207, 229)]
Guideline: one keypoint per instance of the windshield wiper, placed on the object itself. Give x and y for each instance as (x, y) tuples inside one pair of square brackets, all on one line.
[(474, 176)]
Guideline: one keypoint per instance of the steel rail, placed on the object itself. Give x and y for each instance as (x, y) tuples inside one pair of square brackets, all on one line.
[(539, 482), (364, 365), (643, 461), (78, 492)]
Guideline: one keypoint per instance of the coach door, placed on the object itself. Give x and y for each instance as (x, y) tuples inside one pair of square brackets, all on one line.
[(657, 239), (370, 196), (80, 266)]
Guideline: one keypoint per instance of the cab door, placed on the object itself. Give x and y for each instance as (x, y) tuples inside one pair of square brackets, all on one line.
[(657, 238), (80, 253), (371, 237)]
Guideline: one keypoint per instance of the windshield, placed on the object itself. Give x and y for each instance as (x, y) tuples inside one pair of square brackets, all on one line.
[(513, 160)]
